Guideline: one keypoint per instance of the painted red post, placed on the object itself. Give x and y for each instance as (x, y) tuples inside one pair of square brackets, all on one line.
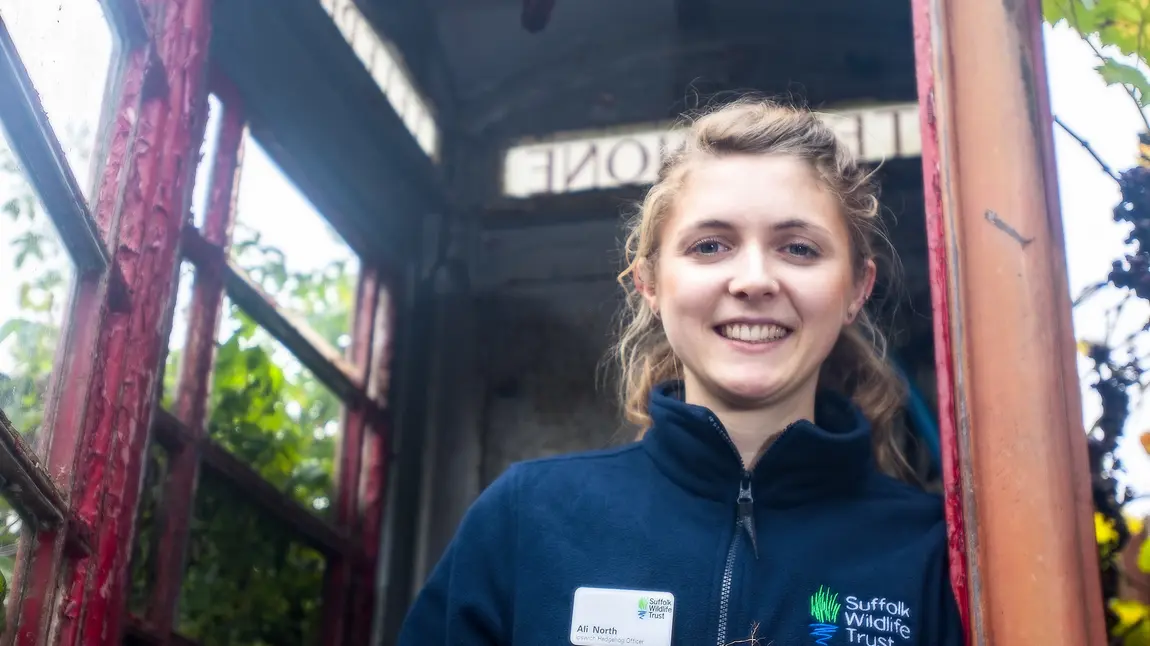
[(1015, 447), (194, 385), (76, 456), (153, 213)]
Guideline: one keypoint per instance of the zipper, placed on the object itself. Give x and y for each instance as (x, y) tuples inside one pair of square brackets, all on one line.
[(744, 518), (725, 594)]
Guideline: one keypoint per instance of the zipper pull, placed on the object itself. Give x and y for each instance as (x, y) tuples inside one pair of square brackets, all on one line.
[(747, 512)]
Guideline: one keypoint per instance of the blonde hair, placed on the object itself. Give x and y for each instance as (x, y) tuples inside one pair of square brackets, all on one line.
[(857, 367)]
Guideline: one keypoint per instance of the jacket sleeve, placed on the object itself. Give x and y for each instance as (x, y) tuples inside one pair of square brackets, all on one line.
[(467, 600)]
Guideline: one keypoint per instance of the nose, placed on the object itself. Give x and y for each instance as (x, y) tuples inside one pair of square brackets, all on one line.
[(753, 277)]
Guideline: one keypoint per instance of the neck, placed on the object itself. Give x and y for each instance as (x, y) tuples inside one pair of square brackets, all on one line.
[(753, 429)]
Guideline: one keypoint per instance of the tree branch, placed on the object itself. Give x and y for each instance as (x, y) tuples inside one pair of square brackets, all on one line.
[(1086, 145)]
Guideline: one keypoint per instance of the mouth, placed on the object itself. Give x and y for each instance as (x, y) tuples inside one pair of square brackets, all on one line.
[(760, 333)]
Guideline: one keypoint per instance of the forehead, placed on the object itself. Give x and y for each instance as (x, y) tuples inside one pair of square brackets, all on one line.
[(750, 190)]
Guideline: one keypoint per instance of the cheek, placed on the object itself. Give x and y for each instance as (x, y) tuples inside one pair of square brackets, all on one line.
[(823, 303), (687, 293)]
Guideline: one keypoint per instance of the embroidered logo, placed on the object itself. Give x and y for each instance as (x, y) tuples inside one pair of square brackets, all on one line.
[(824, 615), (872, 622), (643, 605)]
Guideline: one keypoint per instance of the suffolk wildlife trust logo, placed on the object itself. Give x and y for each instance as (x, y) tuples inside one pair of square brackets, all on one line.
[(653, 608), (824, 615), (873, 622)]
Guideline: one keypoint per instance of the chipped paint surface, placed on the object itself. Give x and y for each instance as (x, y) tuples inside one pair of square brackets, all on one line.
[(149, 242), (71, 460), (940, 305)]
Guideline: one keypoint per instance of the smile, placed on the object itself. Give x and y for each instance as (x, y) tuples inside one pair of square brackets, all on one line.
[(752, 333)]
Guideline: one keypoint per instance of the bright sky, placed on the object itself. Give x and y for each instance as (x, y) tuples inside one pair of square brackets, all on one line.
[(67, 48)]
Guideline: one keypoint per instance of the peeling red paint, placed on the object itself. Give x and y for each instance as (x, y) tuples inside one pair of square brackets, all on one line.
[(940, 306), (147, 251), (68, 457), (196, 369)]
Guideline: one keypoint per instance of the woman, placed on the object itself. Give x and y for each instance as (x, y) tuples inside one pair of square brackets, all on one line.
[(764, 503)]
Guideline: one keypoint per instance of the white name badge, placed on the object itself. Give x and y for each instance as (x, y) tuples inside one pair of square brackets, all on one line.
[(602, 616)]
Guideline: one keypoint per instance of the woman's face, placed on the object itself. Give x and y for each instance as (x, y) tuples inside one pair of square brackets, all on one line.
[(753, 280)]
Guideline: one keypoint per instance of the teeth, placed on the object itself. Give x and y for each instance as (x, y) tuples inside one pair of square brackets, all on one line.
[(753, 333)]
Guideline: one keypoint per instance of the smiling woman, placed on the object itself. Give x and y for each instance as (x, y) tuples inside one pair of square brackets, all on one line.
[(770, 472)]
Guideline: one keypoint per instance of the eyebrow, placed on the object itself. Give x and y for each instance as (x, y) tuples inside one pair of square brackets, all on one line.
[(785, 225)]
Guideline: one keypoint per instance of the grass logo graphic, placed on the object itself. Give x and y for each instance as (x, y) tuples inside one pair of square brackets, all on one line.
[(824, 615), (643, 607)]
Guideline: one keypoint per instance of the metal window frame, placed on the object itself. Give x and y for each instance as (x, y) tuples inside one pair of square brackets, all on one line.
[(38, 487), (127, 246), (348, 539)]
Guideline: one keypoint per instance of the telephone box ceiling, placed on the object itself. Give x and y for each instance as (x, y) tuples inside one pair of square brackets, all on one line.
[(591, 63)]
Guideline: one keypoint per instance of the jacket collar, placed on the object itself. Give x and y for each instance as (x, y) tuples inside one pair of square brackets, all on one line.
[(807, 461)]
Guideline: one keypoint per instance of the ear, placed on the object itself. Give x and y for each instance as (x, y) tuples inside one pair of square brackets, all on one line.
[(862, 291), (644, 279)]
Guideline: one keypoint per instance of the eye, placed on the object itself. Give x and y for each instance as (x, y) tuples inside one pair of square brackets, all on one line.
[(801, 250), (708, 247)]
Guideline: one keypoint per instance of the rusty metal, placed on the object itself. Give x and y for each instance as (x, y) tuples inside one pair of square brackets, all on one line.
[(194, 385), (1003, 330), (28, 488)]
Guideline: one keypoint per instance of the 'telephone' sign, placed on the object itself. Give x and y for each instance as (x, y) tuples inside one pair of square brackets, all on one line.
[(590, 162)]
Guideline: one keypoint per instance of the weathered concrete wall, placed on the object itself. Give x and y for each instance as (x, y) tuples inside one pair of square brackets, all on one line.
[(545, 313)]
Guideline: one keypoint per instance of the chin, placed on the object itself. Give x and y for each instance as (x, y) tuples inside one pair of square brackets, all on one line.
[(748, 390)]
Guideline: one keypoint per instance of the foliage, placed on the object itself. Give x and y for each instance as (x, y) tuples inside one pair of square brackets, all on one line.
[(248, 580), (1110, 25), (39, 268), (1122, 27)]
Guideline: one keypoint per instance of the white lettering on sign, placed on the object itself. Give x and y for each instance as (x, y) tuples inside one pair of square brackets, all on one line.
[(594, 162)]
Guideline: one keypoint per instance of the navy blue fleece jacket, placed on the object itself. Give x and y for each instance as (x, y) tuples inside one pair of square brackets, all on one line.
[(814, 546)]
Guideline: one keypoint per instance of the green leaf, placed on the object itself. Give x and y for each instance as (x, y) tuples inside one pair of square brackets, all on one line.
[(1144, 556), (1085, 16), (1115, 73)]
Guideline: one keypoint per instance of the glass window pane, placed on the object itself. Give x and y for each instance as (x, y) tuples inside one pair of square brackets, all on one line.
[(270, 411), (35, 285), (178, 336), (207, 159), (287, 247), (146, 546), (10, 527), (66, 46), (249, 581)]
